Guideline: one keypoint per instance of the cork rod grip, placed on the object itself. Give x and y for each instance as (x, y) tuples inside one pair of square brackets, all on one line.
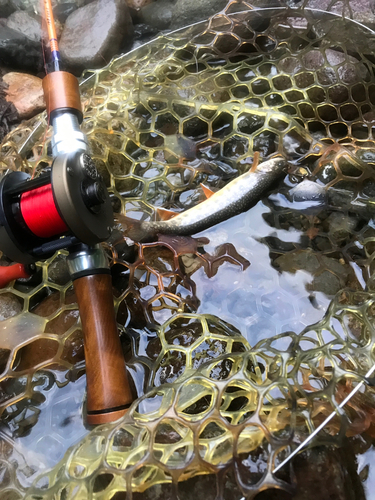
[(108, 390)]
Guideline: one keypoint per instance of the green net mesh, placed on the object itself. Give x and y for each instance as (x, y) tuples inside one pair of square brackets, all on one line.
[(233, 363)]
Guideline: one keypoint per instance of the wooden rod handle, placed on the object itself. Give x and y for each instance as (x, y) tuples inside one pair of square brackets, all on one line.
[(61, 90), (108, 390)]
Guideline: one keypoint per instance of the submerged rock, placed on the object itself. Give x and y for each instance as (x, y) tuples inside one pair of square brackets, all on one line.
[(94, 33), (25, 92), (329, 275), (10, 305)]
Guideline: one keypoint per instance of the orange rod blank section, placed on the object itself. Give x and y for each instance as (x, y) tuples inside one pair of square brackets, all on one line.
[(108, 390), (61, 90), (51, 25)]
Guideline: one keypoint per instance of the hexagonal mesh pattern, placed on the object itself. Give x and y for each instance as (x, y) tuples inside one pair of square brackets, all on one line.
[(193, 107), (229, 410)]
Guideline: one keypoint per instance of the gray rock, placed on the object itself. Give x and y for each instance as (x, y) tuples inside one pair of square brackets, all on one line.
[(19, 52), (94, 34), (341, 226), (158, 14), (328, 275), (63, 10), (360, 10), (26, 24), (10, 305), (58, 271), (187, 12), (6, 8)]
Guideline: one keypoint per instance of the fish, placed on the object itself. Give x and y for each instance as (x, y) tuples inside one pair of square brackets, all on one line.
[(307, 197), (236, 197), (311, 198)]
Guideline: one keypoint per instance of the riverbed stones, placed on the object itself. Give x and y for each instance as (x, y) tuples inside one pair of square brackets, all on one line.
[(25, 92), (63, 10), (8, 114), (20, 52), (26, 24), (94, 33), (186, 12), (328, 275), (158, 14), (137, 4), (6, 8), (10, 305)]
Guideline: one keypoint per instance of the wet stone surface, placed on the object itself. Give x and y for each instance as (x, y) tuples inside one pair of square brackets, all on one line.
[(95, 33), (25, 23), (18, 51), (25, 93)]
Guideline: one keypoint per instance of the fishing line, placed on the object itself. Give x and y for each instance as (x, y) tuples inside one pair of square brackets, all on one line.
[(43, 223)]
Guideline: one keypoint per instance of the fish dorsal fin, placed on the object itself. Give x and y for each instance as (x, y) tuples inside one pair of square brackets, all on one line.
[(255, 161), (207, 191), (165, 214)]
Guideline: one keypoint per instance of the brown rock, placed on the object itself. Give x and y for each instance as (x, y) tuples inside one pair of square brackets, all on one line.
[(25, 92)]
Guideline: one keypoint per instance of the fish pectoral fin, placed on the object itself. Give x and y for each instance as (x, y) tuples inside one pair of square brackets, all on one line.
[(207, 191), (165, 214), (256, 159)]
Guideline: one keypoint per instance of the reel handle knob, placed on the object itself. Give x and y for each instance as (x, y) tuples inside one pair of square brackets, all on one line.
[(12, 272)]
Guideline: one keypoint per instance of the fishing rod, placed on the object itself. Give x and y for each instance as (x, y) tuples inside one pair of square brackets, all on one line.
[(69, 208), (327, 420)]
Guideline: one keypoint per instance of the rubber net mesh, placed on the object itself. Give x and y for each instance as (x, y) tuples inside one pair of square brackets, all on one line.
[(220, 401)]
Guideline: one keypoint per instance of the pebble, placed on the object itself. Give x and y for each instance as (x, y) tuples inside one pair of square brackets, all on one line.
[(94, 34), (186, 12), (26, 24), (20, 52), (25, 92), (157, 14)]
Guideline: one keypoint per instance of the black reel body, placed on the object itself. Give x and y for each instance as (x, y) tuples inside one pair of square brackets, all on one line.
[(66, 206)]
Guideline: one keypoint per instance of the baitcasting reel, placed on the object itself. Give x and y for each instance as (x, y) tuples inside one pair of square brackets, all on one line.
[(61, 208), (69, 207)]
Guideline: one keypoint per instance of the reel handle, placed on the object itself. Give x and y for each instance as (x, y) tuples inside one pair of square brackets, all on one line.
[(14, 272), (108, 390)]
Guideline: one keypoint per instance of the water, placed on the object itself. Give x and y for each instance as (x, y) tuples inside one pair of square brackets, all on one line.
[(278, 303)]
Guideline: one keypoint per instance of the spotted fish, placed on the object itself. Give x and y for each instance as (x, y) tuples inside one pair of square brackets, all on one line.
[(237, 196)]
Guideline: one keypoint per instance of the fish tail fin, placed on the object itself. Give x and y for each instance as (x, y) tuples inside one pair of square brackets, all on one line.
[(133, 228)]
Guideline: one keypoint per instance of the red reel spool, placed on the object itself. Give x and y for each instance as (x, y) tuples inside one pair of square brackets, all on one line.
[(40, 214)]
